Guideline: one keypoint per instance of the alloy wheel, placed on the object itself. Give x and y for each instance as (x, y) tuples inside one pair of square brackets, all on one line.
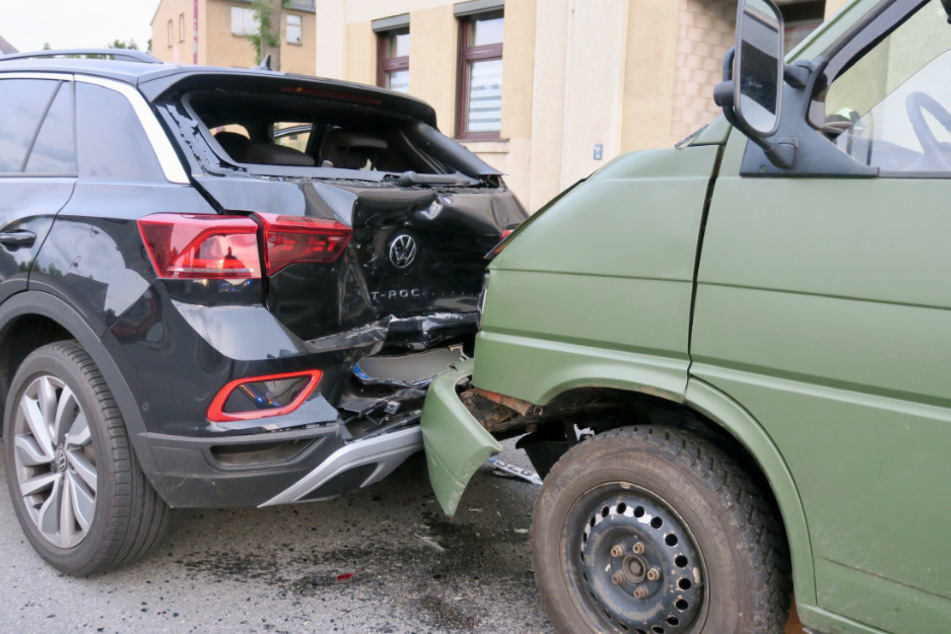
[(55, 461)]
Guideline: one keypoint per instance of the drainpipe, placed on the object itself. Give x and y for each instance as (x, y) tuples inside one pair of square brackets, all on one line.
[(195, 32)]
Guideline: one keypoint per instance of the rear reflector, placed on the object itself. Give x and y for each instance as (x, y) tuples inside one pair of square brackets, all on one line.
[(192, 246), (262, 396), (292, 239)]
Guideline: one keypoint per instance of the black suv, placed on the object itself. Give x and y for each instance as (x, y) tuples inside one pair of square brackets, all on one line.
[(219, 287)]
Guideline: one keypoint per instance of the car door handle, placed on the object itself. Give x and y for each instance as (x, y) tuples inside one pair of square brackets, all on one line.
[(16, 239)]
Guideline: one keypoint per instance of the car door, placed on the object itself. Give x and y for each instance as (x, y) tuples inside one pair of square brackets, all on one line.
[(37, 168), (823, 308)]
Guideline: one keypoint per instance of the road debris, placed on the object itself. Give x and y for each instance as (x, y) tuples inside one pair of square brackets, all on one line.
[(432, 542), (506, 470)]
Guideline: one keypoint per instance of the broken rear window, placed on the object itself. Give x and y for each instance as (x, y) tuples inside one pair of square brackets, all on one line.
[(267, 132)]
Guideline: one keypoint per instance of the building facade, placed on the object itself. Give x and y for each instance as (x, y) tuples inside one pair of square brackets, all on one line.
[(211, 32), (546, 90)]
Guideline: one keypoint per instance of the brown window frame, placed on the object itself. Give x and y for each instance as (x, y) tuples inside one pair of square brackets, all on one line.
[(469, 54), (386, 65)]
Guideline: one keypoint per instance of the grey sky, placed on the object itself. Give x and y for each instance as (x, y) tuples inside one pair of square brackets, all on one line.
[(27, 24)]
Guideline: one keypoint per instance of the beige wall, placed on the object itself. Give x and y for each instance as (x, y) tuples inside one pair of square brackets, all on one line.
[(834, 5), (300, 58), (178, 52), (512, 154), (579, 98), (649, 74), (331, 39), (217, 46), (361, 54), (705, 32), (433, 36)]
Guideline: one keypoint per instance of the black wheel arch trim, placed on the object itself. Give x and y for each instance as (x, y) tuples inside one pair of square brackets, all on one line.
[(55, 309)]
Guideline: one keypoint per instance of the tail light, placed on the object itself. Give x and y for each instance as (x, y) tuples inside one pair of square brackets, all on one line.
[(191, 246), (262, 396), (501, 245), (292, 239)]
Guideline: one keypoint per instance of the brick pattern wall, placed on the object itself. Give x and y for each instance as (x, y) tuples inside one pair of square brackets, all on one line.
[(706, 31)]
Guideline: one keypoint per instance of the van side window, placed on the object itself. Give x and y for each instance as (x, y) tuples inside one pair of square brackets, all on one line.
[(21, 110), (890, 109)]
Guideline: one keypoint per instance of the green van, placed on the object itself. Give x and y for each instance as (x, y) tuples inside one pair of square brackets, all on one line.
[(731, 361)]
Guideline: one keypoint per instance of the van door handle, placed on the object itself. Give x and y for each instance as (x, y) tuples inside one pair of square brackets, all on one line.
[(15, 239)]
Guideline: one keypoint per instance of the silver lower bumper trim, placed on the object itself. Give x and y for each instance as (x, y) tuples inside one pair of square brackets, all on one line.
[(387, 452)]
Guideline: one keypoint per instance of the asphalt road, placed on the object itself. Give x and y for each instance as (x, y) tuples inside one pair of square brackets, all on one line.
[(277, 569)]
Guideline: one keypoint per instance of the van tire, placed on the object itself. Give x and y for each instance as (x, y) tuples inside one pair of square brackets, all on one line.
[(657, 511)]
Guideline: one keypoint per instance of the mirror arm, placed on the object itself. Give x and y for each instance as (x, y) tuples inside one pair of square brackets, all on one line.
[(723, 96), (782, 153), (797, 74)]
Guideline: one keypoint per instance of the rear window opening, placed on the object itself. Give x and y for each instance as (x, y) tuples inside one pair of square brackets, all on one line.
[(270, 132)]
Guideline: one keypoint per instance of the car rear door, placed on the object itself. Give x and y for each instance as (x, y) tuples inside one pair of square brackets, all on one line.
[(824, 308), (37, 167)]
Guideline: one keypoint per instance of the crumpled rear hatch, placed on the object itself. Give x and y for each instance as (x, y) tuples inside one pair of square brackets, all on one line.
[(422, 211)]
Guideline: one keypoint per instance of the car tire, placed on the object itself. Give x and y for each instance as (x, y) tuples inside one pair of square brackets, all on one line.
[(77, 488), (651, 530)]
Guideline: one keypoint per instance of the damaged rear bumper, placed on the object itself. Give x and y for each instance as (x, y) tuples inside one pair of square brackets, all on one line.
[(456, 443)]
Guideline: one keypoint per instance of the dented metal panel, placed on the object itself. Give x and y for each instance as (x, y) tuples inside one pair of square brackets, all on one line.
[(456, 443)]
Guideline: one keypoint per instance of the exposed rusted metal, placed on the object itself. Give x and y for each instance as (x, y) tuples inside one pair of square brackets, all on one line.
[(520, 406)]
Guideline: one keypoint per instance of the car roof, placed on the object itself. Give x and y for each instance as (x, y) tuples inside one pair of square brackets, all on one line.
[(154, 78)]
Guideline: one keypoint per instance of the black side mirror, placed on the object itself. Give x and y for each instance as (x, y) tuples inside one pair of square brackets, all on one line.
[(759, 65), (751, 92)]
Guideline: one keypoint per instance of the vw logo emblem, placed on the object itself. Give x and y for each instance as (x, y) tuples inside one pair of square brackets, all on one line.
[(402, 251)]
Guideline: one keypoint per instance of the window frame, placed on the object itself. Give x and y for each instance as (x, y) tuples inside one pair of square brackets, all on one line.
[(467, 55), (171, 33), (386, 65), (243, 12), (63, 83), (299, 25), (181, 27)]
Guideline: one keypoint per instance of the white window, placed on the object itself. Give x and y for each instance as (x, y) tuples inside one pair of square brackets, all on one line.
[(293, 29), (181, 27), (170, 32), (242, 21)]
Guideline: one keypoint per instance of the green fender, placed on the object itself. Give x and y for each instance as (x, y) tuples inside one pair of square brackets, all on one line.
[(733, 418)]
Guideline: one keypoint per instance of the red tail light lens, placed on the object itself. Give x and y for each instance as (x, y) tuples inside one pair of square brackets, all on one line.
[(262, 396), (292, 239), (191, 246), (501, 245)]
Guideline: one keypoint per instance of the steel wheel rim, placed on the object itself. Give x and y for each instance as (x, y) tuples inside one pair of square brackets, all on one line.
[(55, 462), (633, 561)]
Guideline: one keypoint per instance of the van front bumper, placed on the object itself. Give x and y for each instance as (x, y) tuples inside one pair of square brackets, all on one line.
[(456, 444)]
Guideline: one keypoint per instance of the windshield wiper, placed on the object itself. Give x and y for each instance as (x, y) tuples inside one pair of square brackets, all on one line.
[(412, 178)]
